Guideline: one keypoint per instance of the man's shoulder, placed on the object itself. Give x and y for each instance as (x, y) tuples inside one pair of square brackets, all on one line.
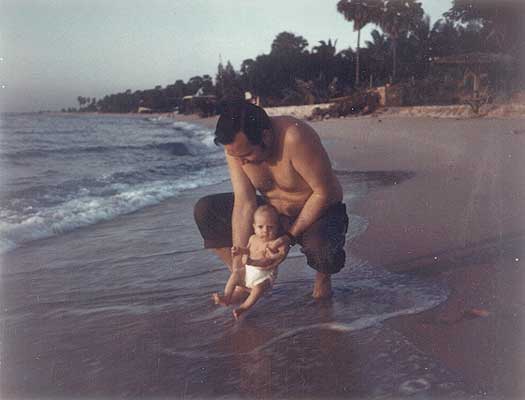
[(296, 132)]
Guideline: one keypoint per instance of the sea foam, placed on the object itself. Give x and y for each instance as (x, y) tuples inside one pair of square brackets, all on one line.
[(75, 172), (87, 210)]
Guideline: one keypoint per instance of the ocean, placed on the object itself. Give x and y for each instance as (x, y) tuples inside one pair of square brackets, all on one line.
[(63, 172), (105, 287)]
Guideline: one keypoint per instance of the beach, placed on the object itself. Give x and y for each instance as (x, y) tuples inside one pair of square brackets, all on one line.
[(429, 305), (459, 219)]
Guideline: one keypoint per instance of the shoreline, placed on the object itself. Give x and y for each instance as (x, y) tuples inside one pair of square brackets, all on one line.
[(458, 220), (457, 111), (460, 112)]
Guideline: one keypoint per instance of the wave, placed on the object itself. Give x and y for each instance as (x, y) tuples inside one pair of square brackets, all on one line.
[(126, 165), (48, 132), (174, 148), (191, 140), (88, 210)]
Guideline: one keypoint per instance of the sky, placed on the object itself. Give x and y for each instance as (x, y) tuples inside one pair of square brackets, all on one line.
[(52, 51)]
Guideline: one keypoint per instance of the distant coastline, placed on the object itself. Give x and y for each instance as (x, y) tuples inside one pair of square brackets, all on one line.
[(513, 109)]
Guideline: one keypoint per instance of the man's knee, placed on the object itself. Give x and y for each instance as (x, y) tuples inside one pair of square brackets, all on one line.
[(202, 209), (213, 218)]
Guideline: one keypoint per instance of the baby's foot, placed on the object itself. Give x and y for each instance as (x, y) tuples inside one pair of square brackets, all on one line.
[(218, 299), (238, 311)]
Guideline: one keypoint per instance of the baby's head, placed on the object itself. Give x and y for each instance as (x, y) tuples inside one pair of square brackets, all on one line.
[(266, 222)]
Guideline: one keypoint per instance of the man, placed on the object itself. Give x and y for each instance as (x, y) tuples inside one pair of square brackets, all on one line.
[(283, 159)]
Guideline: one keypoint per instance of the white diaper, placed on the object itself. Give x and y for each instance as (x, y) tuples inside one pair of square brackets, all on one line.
[(255, 275)]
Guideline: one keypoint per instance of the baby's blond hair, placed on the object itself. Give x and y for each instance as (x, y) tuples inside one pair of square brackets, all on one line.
[(266, 208)]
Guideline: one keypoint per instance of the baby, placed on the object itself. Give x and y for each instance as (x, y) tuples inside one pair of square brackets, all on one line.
[(261, 263)]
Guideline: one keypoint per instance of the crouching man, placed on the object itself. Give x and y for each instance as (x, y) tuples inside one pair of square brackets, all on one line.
[(283, 159)]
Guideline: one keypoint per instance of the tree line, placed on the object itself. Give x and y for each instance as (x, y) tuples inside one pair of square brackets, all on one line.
[(402, 47)]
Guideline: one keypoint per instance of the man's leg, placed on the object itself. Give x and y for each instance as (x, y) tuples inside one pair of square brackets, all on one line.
[(323, 245), (213, 215), (322, 286), (225, 255)]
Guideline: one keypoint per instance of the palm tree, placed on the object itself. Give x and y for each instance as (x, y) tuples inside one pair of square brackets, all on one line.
[(376, 52), (288, 43), (81, 101), (325, 51), (361, 13), (444, 38), (502, 21), (399, 16), (420, 46)]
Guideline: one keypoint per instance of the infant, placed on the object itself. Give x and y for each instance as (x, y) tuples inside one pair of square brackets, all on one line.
[(260, 262)]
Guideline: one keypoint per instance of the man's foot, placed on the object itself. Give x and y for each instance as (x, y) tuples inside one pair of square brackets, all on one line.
[(322, 286), (238, 311), (218, 299)]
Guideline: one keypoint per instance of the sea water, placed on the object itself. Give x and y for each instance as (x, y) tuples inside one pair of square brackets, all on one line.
[(105, 287), (62, 172)]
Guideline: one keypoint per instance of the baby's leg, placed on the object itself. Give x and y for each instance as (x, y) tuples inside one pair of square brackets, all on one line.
[(218, 299), (255, 294), (234, 292), (236, 279), (237, 297), (239, 294)]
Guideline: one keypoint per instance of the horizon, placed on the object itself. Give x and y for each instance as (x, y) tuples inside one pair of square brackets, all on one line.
[(54, 51)]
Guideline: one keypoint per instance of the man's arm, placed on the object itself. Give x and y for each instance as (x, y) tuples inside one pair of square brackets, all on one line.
[(272, 260), (244, 206), (310, 160)]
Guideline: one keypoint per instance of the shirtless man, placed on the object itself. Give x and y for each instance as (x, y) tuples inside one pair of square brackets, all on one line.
[(283, 159)]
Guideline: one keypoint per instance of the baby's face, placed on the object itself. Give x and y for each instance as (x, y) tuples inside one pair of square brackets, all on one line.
[(265, 226)]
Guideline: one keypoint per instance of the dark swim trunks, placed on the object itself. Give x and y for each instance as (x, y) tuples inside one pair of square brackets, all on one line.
[(322, 243)]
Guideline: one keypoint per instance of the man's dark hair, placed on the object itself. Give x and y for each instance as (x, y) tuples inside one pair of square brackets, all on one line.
[(242, 116)]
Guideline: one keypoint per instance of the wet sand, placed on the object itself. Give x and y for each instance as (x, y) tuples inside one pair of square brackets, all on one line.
[(459, 220), (126, 311)]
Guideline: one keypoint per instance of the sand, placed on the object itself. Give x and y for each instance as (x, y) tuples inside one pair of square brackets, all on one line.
[(460, 220), (450, 211), (513, 109)]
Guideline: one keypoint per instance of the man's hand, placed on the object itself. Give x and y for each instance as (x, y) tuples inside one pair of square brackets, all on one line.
[(278, 249), (239, 251), (281, 242), (239, 257), (270, 260)]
